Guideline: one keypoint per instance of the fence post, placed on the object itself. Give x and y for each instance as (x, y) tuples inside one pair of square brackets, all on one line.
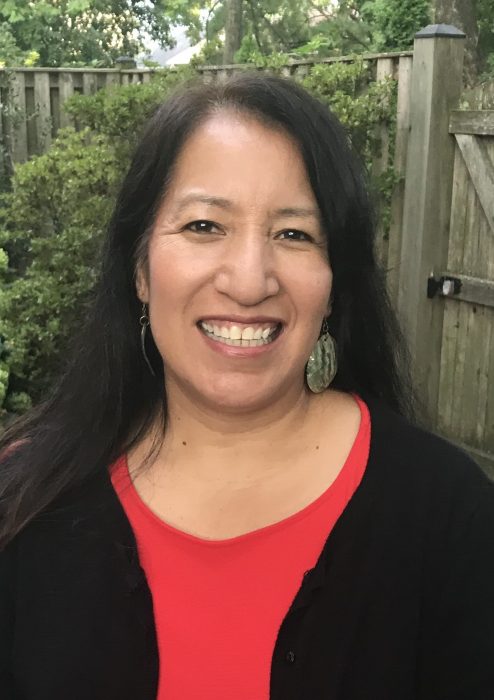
[(435, 89)]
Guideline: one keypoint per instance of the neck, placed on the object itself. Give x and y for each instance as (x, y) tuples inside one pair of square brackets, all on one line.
[(213, 445)]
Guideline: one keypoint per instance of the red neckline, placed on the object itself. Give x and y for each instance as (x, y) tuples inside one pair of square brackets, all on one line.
[(122, 481)]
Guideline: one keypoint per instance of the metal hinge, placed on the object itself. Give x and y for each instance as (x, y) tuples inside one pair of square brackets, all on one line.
[(444, 286)]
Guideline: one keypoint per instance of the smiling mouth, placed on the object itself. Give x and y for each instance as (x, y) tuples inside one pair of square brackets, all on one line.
[(242, 335)]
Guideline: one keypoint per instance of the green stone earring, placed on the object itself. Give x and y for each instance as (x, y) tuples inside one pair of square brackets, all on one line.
[(322, 364)]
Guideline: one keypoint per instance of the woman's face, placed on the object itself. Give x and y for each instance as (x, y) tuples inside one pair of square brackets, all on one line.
[(238, 279)]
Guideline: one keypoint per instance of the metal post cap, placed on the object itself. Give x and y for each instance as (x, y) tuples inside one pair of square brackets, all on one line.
[(444, 30), (125, 62)]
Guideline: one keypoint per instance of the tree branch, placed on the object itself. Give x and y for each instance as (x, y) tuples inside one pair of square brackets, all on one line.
[(254, 27)]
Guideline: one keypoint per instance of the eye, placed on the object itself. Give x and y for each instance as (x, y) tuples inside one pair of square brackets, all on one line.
[(293, 234), (202, 226)]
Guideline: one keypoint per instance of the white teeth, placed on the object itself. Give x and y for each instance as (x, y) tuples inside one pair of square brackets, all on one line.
[(235, 333), (248, 333), (247, 336)]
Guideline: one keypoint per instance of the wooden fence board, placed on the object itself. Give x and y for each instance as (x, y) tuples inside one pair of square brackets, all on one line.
[(481, 171), (55, 109), (485, 249), (32, 138), (484, 391), (474, 290), (112, 80), (456, 372), (470, 421), (458, 213), (42, 106), (488, 438), (65, 91), (18, 122), (400, 161), (451, 324), (480, 123), (451, 319), (380, 164), (89, 83), (487, 255)]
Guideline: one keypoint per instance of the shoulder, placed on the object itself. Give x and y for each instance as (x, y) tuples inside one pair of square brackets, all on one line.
[(86, 521), (411, 462)]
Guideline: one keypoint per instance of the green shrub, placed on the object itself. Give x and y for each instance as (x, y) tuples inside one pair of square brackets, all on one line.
[(359, 103), (51, 225)]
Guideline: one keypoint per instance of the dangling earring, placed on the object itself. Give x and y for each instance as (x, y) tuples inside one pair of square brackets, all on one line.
[(322, 364), (144, 321)]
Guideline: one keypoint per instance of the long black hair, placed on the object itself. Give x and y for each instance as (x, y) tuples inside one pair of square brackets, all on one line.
[(106, 398)]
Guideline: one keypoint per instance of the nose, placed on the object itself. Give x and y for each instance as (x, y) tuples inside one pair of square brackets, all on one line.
[(247, 272)]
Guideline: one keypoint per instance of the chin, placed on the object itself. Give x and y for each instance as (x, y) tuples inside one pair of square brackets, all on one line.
[(241, 396)]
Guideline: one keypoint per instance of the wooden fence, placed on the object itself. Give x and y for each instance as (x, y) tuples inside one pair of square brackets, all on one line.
[(35, 96), (439, 249)]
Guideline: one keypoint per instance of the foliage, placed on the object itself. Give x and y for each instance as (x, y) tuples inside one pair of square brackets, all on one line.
[(4, 367), (395, 22), (277, 26), (120, 113), (359, 103), (52, 221), (307, 27), (78, 32), (485, 14), (320, 27), (10, 53)]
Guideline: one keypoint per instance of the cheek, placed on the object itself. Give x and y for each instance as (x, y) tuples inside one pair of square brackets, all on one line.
[(171, 272), (311, 286)]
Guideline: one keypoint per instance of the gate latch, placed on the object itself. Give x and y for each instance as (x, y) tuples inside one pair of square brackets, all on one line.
[(444, 286)]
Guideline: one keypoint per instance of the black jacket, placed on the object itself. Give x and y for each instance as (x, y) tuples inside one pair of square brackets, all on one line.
[(400, 604)]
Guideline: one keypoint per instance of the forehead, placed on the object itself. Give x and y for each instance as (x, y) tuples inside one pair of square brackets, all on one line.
[(236, 156)]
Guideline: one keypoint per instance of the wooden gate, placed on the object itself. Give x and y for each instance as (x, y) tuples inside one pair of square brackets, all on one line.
[(466, 396)]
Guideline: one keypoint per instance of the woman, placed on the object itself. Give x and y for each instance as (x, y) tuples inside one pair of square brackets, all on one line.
[(222, 498)]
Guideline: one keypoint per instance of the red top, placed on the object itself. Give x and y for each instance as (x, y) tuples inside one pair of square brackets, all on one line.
[(218, 604)]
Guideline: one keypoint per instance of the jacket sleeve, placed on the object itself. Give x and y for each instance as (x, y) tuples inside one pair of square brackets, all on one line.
[(457, 657), (6, 622)]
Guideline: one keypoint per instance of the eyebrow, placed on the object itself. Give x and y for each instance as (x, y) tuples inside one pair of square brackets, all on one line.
[(205, 199), (223, 203), (301, 212)]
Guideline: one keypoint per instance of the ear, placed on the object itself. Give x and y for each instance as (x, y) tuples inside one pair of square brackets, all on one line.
[(142, 287)]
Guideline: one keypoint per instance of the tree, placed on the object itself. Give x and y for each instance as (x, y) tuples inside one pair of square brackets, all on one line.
[(463, 15), (303, 27), (394, 23), (233, 29), (78, 32), (485, 47)]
